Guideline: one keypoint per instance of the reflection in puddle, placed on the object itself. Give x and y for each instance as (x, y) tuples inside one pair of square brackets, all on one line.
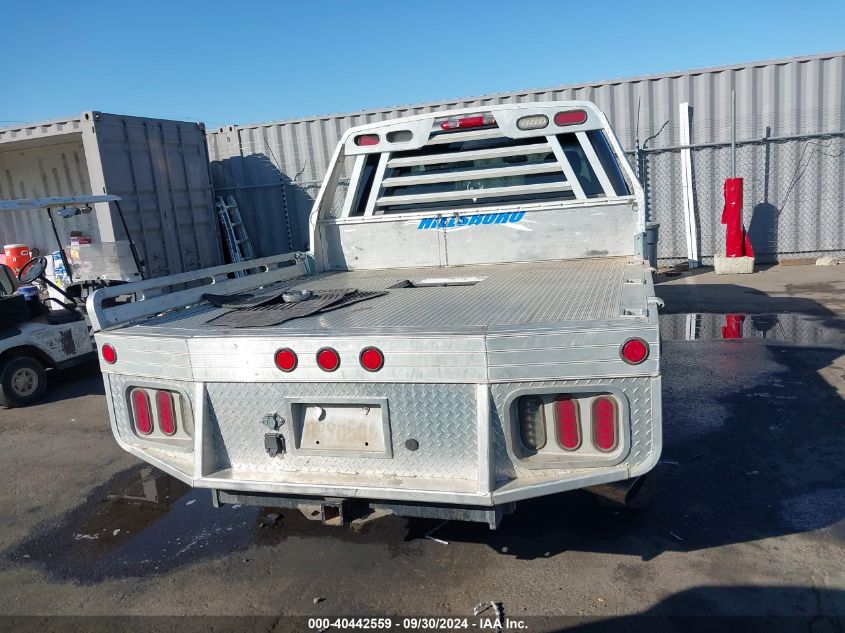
[(144, 522), (799, 329)]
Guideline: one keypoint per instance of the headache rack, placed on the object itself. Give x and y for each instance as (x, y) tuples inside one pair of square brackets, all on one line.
[(469, 161)]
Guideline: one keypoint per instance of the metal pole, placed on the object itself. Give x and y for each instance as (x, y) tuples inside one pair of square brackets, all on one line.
[(733, 133), (138, 263), (61, 248)]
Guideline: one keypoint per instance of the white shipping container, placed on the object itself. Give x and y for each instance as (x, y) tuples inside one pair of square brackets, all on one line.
[(158, 167)]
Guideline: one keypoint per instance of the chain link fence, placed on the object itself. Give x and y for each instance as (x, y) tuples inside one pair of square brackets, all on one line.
[(793, 196)]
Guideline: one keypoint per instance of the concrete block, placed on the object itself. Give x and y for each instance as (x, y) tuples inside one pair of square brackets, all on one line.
[(733, 265)]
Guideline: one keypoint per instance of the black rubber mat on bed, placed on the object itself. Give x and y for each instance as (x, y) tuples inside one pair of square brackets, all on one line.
[(244, 299), (268, 314)]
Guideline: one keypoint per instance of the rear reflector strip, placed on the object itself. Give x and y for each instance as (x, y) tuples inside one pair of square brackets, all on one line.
[(568, 427), (141, 412), (166, 412), (604, 423)]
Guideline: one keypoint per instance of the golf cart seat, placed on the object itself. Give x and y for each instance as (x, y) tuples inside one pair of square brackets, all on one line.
[(60, 317), (8, 281)]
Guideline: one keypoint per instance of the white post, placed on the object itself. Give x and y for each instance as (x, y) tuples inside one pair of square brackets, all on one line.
[(687, 191)]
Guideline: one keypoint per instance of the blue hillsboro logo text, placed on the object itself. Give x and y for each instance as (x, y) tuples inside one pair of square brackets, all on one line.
[(508, 217)]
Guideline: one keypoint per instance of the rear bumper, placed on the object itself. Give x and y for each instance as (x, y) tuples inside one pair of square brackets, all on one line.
[(462, 460)]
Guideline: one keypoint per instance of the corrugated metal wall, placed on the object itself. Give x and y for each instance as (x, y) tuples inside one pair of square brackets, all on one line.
[(160, 169), (46, 159), (276, 166)]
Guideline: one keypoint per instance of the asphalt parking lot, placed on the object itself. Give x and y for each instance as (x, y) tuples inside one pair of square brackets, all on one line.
[(749, 518)]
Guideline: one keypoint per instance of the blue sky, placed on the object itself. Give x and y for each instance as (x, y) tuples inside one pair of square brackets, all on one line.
[(245, 62)]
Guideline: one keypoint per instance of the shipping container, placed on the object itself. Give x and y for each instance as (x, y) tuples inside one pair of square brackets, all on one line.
[(158, 167), (274, 169)]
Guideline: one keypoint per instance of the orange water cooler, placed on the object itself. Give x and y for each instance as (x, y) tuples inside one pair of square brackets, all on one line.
[(16, 256)]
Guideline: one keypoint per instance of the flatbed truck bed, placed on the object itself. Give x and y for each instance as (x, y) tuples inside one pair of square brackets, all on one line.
[(510, 349), (530, 293)]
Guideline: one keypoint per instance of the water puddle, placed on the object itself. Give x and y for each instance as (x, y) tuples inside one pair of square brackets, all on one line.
[(144, 522), (794, 328)]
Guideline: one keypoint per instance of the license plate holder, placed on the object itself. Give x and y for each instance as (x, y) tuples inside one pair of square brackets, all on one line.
[(341, 427)]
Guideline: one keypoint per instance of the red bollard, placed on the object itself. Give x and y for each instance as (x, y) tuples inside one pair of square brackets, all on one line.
[(733, 326), (732, 218)]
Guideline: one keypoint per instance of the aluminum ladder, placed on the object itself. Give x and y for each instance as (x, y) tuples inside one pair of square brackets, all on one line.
[(237, 240)]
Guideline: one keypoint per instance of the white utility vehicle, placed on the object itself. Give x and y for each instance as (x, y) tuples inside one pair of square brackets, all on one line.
[(33, 340), (38, 334), (474, 325)]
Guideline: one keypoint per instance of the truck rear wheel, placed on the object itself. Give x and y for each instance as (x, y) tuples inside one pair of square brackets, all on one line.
[(22, 382)]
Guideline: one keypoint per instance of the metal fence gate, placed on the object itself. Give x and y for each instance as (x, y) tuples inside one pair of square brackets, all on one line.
[(793, 195)]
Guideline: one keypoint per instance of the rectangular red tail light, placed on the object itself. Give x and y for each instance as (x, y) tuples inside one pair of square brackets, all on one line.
[(605, 423), (364, 140), (166, 412), (568, 425), (571, 117), (142, 413), (159, 414)]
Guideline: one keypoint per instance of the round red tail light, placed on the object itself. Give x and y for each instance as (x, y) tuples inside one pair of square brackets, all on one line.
[(109, 354), (286, 359), (328, 359), (634, 351), (372, 359)]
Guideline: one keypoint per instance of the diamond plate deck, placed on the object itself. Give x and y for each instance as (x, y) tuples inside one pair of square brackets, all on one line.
[(440, 417), (508, 294)]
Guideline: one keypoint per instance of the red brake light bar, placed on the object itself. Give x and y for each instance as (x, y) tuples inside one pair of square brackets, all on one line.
[(476, 120)]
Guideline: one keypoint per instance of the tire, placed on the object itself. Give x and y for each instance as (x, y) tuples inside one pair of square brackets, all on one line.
[(23, 382)]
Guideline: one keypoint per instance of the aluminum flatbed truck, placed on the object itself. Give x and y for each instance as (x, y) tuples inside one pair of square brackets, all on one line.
[(474, 325)]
